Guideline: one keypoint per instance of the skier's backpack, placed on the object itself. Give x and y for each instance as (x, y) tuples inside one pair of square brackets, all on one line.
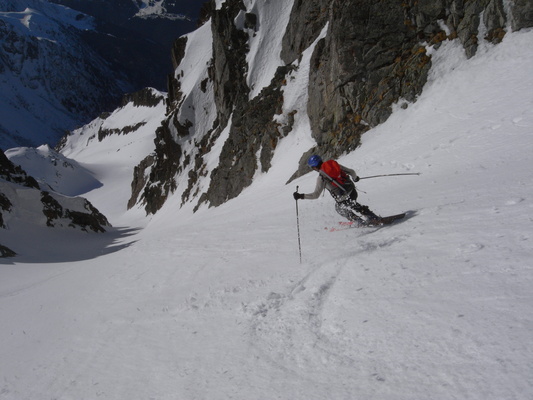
[(333, 170), (340, 180)]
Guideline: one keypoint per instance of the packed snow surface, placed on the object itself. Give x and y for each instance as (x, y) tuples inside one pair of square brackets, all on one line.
[(216, 304)]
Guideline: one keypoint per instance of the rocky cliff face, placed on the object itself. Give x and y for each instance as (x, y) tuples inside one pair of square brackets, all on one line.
[(372, 56), (375, 55)]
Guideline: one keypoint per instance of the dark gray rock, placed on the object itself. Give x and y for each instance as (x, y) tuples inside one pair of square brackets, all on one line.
[(13, 173), (522, 14), (229, 67), (253, 132), (5, 205), (370, 58), (92, 219), (164, 165), (146, 97), (174, 85), (6, 252), (51, 208), (308, 18), (139, 179), (88, 219), (495, 20)]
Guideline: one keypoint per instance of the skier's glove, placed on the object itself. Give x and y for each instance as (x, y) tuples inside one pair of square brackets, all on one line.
[(356, 179), (298, 196)]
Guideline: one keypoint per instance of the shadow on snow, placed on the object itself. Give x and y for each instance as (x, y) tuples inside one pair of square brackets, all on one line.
[(62, 245)]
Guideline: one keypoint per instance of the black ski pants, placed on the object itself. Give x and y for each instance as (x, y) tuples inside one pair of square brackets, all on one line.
[(351, 209)]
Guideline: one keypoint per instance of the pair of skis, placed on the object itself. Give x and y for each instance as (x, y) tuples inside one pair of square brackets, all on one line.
[(382, 221)]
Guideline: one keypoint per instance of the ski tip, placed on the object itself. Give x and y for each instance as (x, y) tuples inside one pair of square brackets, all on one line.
[(398, 217)]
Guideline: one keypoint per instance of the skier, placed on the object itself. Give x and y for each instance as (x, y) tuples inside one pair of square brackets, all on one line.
[(336, 179)]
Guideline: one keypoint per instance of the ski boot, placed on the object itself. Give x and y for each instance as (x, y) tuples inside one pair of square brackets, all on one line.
[(371, 218)]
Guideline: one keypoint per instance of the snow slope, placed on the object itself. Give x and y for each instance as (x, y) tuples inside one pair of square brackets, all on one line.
[(53, 170), (216, 305)]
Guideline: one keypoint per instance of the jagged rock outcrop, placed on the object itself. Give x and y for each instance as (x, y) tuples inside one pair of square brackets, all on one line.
[(164, 165), (146, 97), (5, 205), (81, 213), (307, 19), (21, 199), (174, 86), (521, 14), (253, 132), (229, 65), (13, 173), (372, 56), (6, 252)]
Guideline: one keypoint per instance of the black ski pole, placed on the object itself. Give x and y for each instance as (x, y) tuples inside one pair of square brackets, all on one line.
[(379, 176), (298, 228)]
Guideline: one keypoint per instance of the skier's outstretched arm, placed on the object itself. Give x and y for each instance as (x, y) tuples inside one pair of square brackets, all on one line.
[(350, 172), (319, 188)]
